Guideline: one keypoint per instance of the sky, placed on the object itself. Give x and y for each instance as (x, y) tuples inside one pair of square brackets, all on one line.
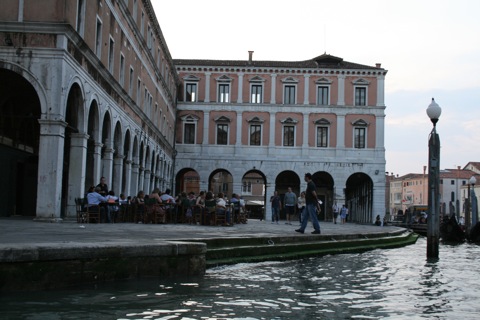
[(431, 49)]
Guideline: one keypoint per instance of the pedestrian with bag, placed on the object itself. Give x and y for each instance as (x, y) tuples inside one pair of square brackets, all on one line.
[(312, 204)]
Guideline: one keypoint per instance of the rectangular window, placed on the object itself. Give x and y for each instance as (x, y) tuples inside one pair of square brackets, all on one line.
[(130, 85), (189, 133), (257, 94), (142, 22), (191, 92), (80, 16), (139, 92), (135, 10), (289, 95), (360, 138), (122, 70), (223, 93), (288, 136), (98, 39), (452, 182), (255, 134), (222, 134), (361, 96), (322, 137), (322, 96), (247, 188), (110, 54)]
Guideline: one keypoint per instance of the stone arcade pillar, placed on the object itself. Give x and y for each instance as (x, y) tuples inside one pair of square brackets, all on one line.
[(117, 174), (50, 168), (107, 164), (76, 171)]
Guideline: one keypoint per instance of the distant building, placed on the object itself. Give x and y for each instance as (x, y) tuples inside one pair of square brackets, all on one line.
[(280, 120), (412, 189)]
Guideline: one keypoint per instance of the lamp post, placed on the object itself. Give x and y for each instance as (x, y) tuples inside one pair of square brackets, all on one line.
[(433, 232)]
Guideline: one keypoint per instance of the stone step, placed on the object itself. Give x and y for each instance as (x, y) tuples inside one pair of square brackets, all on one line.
[(246, 250)]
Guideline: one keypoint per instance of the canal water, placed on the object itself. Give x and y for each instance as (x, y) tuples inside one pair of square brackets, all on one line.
[(381, 284)]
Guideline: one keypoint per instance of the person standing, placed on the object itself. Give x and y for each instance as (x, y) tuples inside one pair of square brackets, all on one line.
[(335, 212), (103, 187), (311, 200), (276, 205), (290, 200), (301, 206), (344, 213)]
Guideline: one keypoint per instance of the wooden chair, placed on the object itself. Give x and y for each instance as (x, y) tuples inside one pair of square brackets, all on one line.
[(94, 213), (81, 210), (220, 217), (197, 215), (210, 208), (154, 211)]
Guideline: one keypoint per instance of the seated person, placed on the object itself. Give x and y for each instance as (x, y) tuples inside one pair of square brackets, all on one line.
[(139, 202), (155, 200), (94, 199), (112, 209), (222, 208)]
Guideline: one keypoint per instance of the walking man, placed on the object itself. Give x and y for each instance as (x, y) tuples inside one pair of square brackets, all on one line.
[(311, 206), (290, 200)]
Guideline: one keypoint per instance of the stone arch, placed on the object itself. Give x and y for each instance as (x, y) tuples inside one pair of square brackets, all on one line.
[(22, 101), (255, 200), (221, 180), (325, 192), (359, 198), (74, 154), (93, 145), (187, 180)]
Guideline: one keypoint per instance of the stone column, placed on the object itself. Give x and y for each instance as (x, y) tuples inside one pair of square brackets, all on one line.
[(272, 130), (135, 178), (306, 89), (341, 90), (206, 121), (381, 91), (50, 169), (379, 133), (274, 84), (107, 163), (128, 177), (306, 125), (207, 86), (146, 181), (340, 131), (240, 88), (238, 141), (76, 171), (117, 174), (97, 162)]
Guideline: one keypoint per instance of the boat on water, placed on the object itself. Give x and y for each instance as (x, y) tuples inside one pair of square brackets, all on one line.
[(451, 230)]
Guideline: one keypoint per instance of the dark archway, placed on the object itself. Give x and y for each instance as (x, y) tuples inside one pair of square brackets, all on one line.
[(359, 198), (187, 180), (221, 180), (19, 144), (286, 179), (324, 183), (254, 184)]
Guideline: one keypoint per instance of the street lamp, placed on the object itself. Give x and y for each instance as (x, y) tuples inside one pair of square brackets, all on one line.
[(433, 232)]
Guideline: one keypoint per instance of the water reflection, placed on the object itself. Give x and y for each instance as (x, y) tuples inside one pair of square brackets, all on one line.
[(381, 284)]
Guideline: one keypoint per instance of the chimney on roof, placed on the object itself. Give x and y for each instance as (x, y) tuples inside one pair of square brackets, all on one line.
[(458, 167), (250, 55), (378, 65)]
